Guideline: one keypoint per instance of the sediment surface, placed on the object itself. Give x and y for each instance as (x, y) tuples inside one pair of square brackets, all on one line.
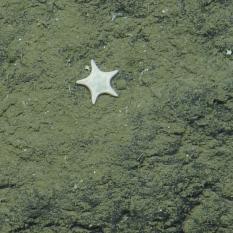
[(158, 159)]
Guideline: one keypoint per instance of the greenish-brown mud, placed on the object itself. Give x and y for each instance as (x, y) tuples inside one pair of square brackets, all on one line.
[(158, 159)]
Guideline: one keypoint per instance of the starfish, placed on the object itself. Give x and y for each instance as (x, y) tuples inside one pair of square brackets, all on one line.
[(98, 82)]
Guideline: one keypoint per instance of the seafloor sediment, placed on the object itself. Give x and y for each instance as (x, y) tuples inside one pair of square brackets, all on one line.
[(157, 159)]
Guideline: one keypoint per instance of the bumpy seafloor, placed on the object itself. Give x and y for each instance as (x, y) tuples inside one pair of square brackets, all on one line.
[(158, 159)]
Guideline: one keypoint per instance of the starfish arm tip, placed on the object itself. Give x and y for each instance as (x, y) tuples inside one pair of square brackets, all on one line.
[(115, 72), (93, 65), (113, 93), (112, 73), (94, 97), (80, 82)]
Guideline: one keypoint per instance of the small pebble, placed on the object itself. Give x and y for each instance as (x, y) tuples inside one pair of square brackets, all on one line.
[(121, 84)]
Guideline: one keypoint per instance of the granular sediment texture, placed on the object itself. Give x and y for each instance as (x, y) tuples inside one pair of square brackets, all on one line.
[(156, 159)]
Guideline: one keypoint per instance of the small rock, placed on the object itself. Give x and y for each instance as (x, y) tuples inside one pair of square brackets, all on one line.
[(121, 84)]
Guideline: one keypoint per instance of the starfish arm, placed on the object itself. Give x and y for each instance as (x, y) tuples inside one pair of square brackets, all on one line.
[(111, 74), (94, 97), (93, 65), (82, 82), (112, 92)]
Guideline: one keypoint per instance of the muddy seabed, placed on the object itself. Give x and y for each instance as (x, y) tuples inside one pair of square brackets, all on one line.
[(158, 159)]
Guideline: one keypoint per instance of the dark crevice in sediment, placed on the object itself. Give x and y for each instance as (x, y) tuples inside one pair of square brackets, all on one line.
[(91, 228), (6, 186)]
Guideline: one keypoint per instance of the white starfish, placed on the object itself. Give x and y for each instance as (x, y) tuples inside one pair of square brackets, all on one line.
[(98, 82)]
